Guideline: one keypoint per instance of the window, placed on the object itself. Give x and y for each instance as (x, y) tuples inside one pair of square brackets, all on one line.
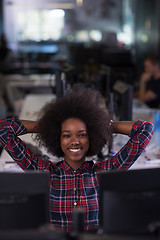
[(40, 25)]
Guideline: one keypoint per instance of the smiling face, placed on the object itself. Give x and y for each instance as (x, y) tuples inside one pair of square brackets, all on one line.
[(74, 141)]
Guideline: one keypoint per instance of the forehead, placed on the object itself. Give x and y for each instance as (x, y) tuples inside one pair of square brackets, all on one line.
[(73, 124)]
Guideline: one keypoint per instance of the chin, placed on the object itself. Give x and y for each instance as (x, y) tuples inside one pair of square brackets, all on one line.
[(75, 158)]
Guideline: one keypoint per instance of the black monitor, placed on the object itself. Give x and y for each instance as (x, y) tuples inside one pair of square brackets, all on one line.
[(123, 94), (60, 84), (24, 200), (129, 201)]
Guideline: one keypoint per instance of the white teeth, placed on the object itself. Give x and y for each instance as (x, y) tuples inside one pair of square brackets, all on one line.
[(74, 150)]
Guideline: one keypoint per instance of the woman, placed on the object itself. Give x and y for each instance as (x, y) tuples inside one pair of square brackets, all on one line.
[(73, 128)]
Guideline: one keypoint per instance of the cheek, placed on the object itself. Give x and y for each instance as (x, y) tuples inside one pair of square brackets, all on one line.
[(62, 143)]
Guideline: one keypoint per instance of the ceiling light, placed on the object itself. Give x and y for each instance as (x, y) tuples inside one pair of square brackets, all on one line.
[(60, 5), (79, 2)]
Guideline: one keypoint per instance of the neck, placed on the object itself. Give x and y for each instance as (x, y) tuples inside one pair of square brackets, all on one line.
[(74, 164)]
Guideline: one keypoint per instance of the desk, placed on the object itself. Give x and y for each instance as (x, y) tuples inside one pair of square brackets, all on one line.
[(33, 104), (17, 86), (20, 80), (31, 83)]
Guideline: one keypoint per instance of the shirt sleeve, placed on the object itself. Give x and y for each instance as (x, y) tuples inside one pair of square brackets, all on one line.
[(140, 136), (10, 129)]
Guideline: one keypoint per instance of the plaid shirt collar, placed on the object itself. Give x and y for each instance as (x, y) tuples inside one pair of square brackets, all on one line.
[(86, 166)]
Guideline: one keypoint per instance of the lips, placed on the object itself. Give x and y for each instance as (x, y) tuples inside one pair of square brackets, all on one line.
[(74, 150)]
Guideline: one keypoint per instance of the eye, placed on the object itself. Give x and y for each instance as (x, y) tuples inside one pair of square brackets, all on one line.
[(66, 136), (83, 135)]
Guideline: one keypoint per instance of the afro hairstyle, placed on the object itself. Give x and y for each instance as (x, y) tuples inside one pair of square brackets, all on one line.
[(81, 103)]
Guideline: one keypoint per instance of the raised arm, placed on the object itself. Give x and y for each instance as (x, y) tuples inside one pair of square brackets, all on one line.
[(140, 133), (123, 127), (31, 126), (10, 130)]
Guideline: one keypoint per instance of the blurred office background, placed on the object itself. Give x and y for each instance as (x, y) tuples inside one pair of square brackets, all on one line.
[(86, 39), (47, 46)]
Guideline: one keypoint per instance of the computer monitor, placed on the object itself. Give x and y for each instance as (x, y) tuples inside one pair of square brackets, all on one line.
[(24, 200), (129, 201), (123, 94), (60, 84)]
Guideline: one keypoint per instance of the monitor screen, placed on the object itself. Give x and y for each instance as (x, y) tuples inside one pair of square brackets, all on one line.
[(123, 93), (24, 200), (129, 201)]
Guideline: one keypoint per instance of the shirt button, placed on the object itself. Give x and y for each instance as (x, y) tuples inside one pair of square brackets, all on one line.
[(75, 204)]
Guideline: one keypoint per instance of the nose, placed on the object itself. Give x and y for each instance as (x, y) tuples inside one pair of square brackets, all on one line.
[(75, 140)]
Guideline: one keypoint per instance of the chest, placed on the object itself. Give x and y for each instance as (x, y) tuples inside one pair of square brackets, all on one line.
[(81, 186)]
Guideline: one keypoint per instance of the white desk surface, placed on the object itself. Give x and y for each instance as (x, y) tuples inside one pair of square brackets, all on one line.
[(35, 80), (28, 77), (33, 104)]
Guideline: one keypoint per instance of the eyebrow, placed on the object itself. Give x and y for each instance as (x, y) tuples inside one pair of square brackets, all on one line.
[(70, 131)]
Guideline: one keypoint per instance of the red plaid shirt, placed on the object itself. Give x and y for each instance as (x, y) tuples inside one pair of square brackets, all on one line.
[(68, 188)]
